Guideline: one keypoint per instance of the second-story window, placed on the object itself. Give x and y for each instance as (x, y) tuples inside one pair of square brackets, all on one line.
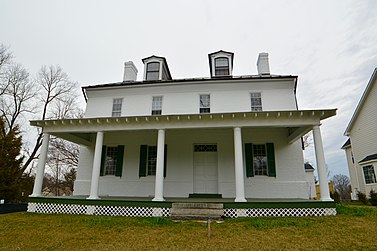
[(221, 66), (205, 103), (256, 101), (157, 105), (117, 107), (153, 71)]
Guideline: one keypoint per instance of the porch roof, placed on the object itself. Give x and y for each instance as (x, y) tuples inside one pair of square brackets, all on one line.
[(81, 130)]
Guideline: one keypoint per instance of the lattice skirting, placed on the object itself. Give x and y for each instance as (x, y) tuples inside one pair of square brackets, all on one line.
[(51, 208), (276, 212)]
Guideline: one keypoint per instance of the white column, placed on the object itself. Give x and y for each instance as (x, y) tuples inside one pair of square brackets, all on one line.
[(96, 167), (37, 190), (321, 164), (159, 184), (238, 164)]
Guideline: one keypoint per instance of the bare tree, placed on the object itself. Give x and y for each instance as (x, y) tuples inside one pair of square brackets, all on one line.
[(342, 185)]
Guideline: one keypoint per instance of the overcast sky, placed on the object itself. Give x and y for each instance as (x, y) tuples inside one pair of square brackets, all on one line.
[(330, 45)]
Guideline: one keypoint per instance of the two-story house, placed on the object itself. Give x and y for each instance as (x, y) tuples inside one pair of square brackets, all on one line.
[(228, 136)]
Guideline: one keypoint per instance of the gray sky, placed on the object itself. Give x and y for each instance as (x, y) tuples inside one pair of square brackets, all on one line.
[(330, 45)]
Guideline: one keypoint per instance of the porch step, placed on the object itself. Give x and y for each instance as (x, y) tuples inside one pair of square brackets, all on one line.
[(205, 195), (196, 211)]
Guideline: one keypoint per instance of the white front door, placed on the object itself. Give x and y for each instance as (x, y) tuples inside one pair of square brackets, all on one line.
[(205, 169)]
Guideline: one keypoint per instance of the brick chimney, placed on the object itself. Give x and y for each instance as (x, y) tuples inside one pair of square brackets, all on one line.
[(263, 64), (130, 71)]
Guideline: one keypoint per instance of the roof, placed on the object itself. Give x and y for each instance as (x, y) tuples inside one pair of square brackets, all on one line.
[(361, 102), (308, 167), (347, 144), (369, 158)]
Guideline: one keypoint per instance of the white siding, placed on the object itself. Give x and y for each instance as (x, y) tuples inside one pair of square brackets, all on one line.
[(183, 98), (364, 135)]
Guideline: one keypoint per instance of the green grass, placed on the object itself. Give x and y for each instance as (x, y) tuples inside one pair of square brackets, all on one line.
[(354, 228)]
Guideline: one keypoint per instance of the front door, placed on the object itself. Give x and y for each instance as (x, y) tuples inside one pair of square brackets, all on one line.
[(205, 169)]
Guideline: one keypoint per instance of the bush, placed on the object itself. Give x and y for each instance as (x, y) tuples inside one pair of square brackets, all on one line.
[(362, 197), (335, 196), (373, 197)]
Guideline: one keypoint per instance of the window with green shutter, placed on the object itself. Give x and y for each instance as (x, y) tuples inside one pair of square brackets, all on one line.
[(148, 160), (112, 160), (260, 160)]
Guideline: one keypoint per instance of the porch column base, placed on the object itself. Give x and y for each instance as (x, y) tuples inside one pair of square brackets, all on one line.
[(240, 200), (158, 199)]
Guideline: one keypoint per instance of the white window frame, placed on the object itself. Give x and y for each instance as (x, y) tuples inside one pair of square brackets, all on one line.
[(374, 174), (110, 161), (264, 170), (159, 70), (151, 160), (255, 108), (117, 112), (157, 105), (221, 68), (203, 108)]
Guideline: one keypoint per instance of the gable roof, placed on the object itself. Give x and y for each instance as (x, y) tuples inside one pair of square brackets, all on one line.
[(347, 144), (369, 158), (372, 80)]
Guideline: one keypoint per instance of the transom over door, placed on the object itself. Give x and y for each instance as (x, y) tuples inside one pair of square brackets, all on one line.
[(205, 169)]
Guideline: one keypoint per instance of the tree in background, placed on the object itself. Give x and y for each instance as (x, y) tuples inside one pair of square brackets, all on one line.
[(11, 163), (342, 185), (49, 95)]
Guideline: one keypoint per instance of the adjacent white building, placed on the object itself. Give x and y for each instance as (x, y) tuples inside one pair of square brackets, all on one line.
[(361, 146), (232, 136)]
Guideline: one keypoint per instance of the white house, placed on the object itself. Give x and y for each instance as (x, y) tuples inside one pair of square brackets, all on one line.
[(229, 136), (361, 146)]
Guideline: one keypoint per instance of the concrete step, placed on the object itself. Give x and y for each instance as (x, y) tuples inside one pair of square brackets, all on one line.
[(196, 211)]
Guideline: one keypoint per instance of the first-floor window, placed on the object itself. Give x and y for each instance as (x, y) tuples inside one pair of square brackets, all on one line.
[(152, 160), (260, 159), (111, 160), (369, 174)]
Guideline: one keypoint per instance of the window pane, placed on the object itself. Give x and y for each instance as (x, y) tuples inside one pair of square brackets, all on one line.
[(154, 66), (157, 105), (152, 159), (152, 75), (369, 174), (110, 162), (153, 71), (260, 159), (221, 62), (117, 107), (256, 101)]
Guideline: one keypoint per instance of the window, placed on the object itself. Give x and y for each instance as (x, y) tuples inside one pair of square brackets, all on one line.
[(205, 104), (153, 71), (221, 66), (260, 159), (157, 105), (111, 160), (256, 101), (117, 107), (205, 148), (369, 175), (152, 160)]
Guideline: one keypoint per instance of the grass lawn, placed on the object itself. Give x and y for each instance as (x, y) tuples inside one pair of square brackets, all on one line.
[(354, 228)]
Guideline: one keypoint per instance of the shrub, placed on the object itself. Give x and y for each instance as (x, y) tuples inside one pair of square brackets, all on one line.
[(335, 196), (373, 197), (362, 197)]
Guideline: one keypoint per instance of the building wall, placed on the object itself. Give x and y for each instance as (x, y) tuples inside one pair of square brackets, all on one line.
[(290, 181), (310, 183), (364, 136), (183, 98), (353, 171)]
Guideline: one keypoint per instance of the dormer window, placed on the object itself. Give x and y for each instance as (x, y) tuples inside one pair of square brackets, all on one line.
[(156, 68), (153, 71), (221, 64)]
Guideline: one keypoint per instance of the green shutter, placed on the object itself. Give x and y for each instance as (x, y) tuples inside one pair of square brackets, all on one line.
[(249, 160), (119, 164), (143, 161), (271, 160), (165, 159), (103, 160)]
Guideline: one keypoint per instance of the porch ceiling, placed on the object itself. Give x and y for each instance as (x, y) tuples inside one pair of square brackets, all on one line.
[(81, 130)]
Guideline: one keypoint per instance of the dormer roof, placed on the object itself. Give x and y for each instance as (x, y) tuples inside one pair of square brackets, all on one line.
[(212, 63), (163, 68)]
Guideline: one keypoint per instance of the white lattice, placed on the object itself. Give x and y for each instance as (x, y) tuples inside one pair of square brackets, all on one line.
[(276, 212), (50, 208)]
